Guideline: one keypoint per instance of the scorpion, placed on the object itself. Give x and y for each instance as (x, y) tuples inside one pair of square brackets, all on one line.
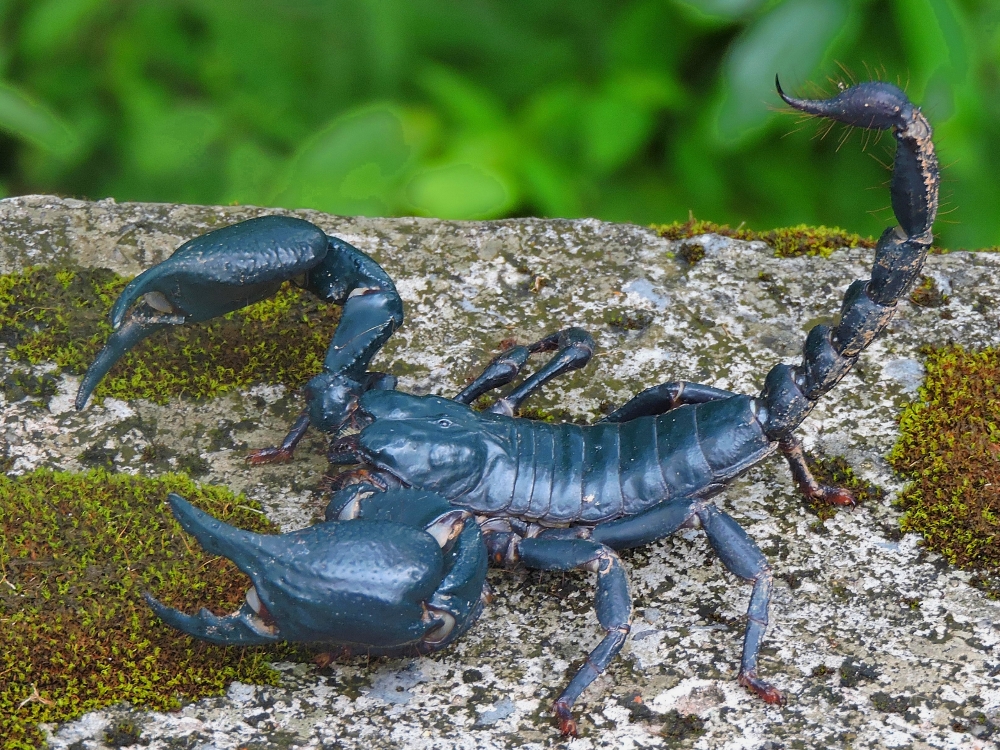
[(439, 490)]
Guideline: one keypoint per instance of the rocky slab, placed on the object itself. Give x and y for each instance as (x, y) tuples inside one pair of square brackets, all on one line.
[(877, 643)]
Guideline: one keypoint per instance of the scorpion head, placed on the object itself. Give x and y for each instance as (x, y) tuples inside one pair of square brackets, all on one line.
[(406, 572), (428, 441)]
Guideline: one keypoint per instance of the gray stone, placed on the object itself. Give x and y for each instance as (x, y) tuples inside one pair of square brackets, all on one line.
[(724, 321)]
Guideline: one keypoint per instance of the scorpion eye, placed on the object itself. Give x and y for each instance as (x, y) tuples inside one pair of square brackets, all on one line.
[(444, 422)]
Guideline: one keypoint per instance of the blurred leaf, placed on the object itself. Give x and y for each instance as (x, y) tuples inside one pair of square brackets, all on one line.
[(613, 129), (22, 116), (938, 43), (250, 173), (50, 24), (788, 40), (471, 105), (347, 167), (551, 190), (458, 191), (724, 8), (174, 141)]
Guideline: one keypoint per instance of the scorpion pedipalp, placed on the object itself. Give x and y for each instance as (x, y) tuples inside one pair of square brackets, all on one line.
[(365, 583)]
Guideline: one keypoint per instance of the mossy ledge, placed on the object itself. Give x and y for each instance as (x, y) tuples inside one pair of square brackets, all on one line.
[(60, 315), (788, 242), (949, 447), (75, 635)]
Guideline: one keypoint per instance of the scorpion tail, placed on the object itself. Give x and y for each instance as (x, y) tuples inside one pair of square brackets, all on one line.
[(791, 391)]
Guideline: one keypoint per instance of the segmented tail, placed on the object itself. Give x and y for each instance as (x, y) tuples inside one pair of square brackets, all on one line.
[(791, 391)]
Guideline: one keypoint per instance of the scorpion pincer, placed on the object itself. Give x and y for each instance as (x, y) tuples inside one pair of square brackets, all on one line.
[(550, 497)]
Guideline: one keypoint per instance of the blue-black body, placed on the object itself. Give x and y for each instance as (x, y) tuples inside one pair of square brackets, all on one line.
[(559, 474), (552, 497)]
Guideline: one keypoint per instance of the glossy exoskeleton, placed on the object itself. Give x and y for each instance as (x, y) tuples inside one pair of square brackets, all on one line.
[(553, 497)]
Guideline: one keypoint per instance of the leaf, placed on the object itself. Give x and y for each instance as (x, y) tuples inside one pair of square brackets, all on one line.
[(32, 121), (458, 191), (470, 104), (49, 25), (724, 8), (790, 41), (348, 166)]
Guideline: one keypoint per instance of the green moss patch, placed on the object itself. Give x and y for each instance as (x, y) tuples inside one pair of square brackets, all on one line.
[(76, 552), (949, 446), (787, 242), (60, 315)]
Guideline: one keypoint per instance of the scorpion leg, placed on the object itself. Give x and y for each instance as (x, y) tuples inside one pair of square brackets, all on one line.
[(499, 372), (573, 346), (613, 603), (664, 397), (742, 557), (737, 551), (374, 381), (791, 449)]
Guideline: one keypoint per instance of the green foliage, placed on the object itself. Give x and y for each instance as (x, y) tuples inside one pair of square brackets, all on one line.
[(76, 553), (948, 447), (641, 110), (60, 315)]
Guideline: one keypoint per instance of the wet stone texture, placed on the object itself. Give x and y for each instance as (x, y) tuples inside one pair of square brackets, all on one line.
[(877, 643)]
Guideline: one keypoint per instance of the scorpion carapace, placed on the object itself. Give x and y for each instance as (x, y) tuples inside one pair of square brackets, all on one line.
[(554, 497)]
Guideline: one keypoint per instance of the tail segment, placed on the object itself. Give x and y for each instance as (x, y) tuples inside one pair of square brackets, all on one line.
[(790, 392)]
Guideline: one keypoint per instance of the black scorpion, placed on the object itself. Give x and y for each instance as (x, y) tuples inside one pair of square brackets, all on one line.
[(553, 497)]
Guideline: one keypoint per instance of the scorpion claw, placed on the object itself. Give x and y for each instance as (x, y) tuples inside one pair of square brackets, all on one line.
[(208, 276), (244, 627), (406, 576), (763, 690)]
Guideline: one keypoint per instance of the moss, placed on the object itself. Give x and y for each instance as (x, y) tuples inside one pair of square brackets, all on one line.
[(628, 319), (75, 635), (835, 472), (926, 293), (60, 315), (677, 726), (787, 242), (949, 447), (691, 252)]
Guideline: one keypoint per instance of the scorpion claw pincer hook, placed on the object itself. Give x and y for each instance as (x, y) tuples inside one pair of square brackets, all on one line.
[(405, 574), (208, 276)]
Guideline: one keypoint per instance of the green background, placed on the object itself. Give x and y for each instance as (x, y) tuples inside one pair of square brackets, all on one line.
[(637, 111)]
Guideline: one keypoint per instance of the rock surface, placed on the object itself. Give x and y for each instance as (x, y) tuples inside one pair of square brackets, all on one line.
[(877, 643)]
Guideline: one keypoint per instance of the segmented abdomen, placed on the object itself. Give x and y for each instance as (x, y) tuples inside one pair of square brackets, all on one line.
[(567, 473)]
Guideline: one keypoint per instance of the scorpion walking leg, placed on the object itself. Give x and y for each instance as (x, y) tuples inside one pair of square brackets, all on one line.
[(613, 603), (737, 551), (499, 372), (573, 346), (741, 556), (664, 397), (791, 448)]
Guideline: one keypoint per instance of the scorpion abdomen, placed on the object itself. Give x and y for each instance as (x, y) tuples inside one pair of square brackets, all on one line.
[(571, 474)]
